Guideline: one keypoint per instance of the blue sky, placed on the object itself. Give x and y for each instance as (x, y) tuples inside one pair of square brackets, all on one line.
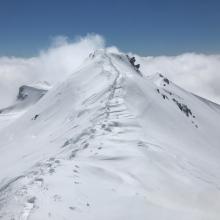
[(146, 27)]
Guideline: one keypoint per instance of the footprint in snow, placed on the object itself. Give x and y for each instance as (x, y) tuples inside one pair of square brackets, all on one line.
[(72, 208), (57, 198), (27, 208)]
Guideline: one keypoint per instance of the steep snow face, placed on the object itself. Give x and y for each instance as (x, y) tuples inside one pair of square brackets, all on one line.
[(109, 143), (27, 96)]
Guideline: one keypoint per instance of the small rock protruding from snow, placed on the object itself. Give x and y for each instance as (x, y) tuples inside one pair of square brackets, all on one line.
[(35, 117), (166, 81)]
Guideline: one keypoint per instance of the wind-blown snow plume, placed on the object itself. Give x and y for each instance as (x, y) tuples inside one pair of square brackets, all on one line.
[(52, 65)]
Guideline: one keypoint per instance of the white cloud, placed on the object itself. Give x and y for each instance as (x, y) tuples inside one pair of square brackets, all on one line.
[(53, 64), (197, 73)]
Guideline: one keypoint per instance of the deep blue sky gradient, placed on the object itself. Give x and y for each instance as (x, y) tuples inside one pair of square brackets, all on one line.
[(147, 27)]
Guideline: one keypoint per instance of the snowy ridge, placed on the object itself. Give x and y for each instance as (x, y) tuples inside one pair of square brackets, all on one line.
[(111, 144), (27, 96)]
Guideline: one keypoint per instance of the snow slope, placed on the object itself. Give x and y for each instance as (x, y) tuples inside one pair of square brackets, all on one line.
[(109, 143), (27, 96)]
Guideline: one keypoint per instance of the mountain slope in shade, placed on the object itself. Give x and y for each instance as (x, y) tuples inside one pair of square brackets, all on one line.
[(112, 143)]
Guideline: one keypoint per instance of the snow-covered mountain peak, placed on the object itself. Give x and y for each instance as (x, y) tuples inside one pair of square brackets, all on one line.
[(112, 143), (31, 92)]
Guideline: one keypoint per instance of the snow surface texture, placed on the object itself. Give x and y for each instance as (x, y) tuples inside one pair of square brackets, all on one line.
[(27, 96), (109, 143)]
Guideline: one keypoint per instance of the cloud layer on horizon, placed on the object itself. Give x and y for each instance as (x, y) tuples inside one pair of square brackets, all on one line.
[(53, 64), (197, 73)]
